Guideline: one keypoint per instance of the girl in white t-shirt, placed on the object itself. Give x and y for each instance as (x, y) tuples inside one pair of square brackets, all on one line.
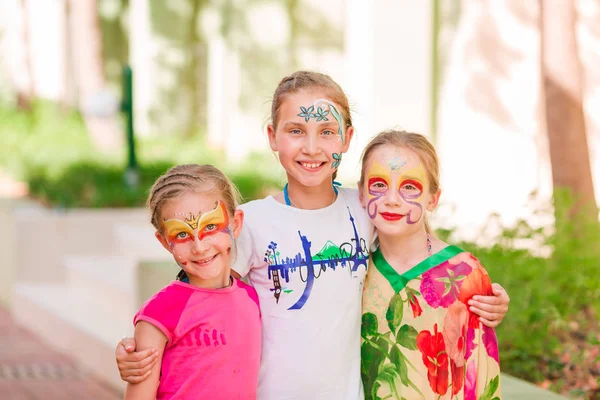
[(305, 251)]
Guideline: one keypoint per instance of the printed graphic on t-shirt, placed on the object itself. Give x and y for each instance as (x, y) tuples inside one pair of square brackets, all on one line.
[(309, 265), (203, 337)]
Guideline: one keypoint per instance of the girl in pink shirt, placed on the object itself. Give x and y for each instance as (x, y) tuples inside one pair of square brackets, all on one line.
[(207, 330)]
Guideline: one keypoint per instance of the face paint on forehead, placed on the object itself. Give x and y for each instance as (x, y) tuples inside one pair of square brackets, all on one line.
[(395, 164), (320, 110), (196, 224)]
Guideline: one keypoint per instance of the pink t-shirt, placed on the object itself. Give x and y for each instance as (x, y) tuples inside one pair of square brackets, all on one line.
[(213, 340)]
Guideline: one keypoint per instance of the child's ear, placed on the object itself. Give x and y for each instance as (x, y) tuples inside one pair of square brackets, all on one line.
[(163, 241), (433, 202), (361, 195), (237, 223), (271, 134), (347, 138)]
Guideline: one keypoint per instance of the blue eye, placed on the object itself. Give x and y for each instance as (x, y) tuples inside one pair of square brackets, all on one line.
[(182, 235), (328, 132), (210, 227), (296, 131)]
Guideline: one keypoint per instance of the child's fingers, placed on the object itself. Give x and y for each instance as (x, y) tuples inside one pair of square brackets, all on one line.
[(137, 361), (136, 379), (489, 323)]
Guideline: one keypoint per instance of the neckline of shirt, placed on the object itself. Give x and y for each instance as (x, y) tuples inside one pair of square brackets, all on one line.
[(228, 289), (304, 211)]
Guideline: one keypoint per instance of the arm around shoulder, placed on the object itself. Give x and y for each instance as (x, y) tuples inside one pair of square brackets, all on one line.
[(147, 336)]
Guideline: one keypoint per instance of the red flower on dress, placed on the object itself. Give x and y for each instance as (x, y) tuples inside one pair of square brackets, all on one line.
[(458, 377), (476, 283), (435, 358), (414, 304)]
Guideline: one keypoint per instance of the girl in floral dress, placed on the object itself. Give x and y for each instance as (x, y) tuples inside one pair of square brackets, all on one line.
[(419, 338)]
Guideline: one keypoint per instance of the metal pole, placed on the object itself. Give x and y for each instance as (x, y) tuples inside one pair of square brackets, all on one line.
[(131, 174)]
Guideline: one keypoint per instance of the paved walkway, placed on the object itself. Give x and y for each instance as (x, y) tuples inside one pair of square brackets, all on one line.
[(29, 370)]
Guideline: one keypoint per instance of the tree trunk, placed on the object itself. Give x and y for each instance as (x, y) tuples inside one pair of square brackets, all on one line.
[(26, 91), (563, 104), (87, 42)]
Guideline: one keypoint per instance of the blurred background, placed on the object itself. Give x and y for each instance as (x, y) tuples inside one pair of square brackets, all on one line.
[(100, 97)]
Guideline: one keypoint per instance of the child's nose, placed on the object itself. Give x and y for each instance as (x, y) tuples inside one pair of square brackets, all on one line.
[(200, 245), (392, 197), (310, 145)]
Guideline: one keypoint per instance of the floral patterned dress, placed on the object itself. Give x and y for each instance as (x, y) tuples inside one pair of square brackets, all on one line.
[(419, 340)]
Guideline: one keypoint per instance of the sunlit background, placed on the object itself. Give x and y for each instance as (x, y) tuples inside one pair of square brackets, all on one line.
[(509, 95)]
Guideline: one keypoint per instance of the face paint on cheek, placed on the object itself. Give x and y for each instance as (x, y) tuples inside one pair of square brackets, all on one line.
[(338, 159), (375, 196), (409, 199)]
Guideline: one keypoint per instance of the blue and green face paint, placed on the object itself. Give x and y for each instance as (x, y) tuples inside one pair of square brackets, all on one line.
[(322, 110)]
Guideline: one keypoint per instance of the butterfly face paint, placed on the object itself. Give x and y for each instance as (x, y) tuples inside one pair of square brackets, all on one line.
[(395, 187), (200, 240)]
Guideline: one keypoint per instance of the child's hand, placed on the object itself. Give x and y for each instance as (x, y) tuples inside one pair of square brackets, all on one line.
[(134, 367), (491, 309)]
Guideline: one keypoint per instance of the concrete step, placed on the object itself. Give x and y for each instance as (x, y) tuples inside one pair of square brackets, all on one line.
[(109, 281), (86, 330)]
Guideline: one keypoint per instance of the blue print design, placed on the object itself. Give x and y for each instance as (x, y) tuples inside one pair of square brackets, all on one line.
[(351, 254), (338, 158), (306, 113)]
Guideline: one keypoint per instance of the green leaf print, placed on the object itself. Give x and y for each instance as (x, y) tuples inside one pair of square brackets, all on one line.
[(372, 357), (407, 337), (490, 389), (395, 312), (387, 375), (399, 361), (369, 325)]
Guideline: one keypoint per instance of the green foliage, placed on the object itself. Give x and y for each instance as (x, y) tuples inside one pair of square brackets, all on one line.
[(555, 300), (93, 184), (52, 152)]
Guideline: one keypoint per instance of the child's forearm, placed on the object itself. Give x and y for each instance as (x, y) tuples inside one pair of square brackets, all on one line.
[(145, 390)]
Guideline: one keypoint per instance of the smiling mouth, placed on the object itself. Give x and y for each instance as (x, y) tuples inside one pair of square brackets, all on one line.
[(204, 261), (391, 216), (311, 166)]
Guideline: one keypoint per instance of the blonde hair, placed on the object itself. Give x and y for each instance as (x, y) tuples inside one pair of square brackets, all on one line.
[(187, 178), (306, 80), (413, 141)]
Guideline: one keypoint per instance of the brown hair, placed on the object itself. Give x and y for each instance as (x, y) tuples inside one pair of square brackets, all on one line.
[(413, 141), (306, 80), (190, 178)]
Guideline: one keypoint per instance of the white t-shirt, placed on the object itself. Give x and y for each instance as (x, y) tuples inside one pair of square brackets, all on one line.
[(308, 268)]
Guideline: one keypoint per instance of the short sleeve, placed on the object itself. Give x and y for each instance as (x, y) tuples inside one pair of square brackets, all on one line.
[(244, 251), (164, 310)]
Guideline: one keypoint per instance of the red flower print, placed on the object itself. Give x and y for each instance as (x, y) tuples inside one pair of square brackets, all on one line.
[(458, 377), (476, 283), (414, 304), (435, 359)]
